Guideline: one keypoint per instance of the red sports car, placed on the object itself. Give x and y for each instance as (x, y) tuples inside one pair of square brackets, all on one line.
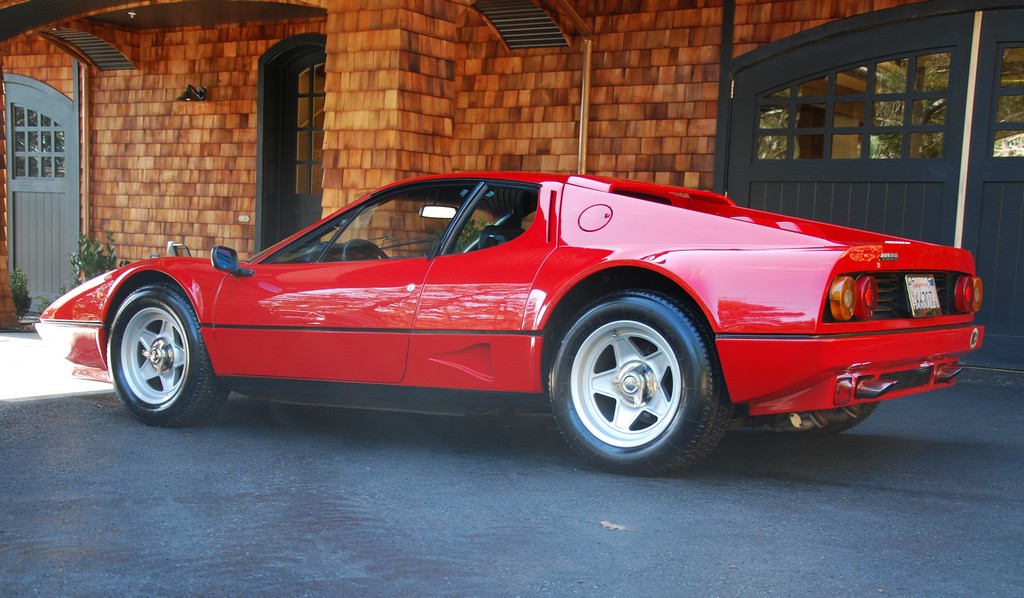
[(647, 318)]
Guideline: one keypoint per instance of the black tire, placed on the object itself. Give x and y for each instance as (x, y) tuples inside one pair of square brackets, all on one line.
[(636, 387), (158, 359)]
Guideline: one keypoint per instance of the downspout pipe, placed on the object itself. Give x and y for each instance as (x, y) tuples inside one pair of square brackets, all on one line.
[(588, 64), (587, 75)]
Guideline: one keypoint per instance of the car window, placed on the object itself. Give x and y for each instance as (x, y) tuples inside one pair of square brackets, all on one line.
[(501, 214), (409, 222)]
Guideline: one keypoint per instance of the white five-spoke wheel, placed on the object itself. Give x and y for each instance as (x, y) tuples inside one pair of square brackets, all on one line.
[(154, 355), (158, 360), (625, 383), (635, 385)]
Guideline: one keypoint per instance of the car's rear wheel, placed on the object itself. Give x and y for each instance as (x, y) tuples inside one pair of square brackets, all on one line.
[(158, 360), (635, 386)]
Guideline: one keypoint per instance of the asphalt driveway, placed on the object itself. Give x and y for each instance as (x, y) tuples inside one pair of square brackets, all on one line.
[(924, 499)]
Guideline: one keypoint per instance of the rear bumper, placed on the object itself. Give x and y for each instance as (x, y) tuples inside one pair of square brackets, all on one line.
[(781, 374)]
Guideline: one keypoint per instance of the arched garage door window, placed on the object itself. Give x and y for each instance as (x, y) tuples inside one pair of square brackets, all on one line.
[(885, 109), (863, 130)]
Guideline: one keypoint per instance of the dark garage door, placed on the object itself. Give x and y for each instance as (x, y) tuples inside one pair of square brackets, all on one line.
[(866, 129)]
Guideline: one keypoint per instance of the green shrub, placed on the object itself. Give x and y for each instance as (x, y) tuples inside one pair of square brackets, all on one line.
[(19, 289), (92, 259)]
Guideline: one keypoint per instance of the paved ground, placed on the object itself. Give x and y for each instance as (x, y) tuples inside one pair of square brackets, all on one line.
[(30, 369), (924, 499)]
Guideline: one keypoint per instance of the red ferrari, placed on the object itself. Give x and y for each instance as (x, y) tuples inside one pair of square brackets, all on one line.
[(646, 318)]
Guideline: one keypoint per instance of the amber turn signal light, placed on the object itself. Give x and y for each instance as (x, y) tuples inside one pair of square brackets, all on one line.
[(969, 291), (842, 298)]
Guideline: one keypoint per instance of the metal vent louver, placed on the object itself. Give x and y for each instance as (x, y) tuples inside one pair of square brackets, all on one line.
[(521, 23), (97, 51)]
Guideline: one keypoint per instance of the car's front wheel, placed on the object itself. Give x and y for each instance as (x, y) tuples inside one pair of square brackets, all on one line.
[(158, 360), (635, 386)]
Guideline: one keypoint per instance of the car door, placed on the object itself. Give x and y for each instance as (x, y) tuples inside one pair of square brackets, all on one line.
[(338, 303), (468, 332)]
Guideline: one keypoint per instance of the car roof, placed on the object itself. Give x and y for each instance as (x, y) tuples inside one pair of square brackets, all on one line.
[(597, 183)]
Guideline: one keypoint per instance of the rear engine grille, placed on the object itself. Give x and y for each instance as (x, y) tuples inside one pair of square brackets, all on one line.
[(892, 294)]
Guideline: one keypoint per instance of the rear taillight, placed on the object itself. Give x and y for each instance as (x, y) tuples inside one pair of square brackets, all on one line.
[(867, 297), (969, 291), (849, 298)]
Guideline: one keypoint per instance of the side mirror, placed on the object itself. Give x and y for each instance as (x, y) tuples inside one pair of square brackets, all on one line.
[(225, 259)]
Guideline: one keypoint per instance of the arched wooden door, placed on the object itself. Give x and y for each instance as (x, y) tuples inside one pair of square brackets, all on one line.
[(43, 185)]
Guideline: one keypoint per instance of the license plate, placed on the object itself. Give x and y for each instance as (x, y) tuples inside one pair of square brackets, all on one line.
[(924, 299)]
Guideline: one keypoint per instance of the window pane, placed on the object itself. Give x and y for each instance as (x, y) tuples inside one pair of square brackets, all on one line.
[(319, 79), (887, 113), (810, 115), (932, 72), (19, 116), (1011, 73), (302, 113), (926, 145), (44, 121), (930, 112), (33, 167), (774, 117), (46, 141), (58, 168), (1008, 144), (318, 113), (302, 146), (1010, 109), (318, 146), (20, 145), (317, 179), (782, 93), (33, 141), (33, 118), (886, 146), (771, 147), (809, 147), (891, 76), (848, 114), (20, 168), (302, 179), (47, 167), (852, 82), (58, 141), (817, 87), (845, 147), (304, 78)]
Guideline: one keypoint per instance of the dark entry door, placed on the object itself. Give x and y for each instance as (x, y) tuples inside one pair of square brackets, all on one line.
[(994, 209), (302, 167), (290, 178)]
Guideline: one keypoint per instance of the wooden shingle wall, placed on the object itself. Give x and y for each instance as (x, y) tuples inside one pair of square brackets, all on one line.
[(413, 87), (186, 171), (513, 110), (761, 22), (389, 94), (656, 71), (653, 103)]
